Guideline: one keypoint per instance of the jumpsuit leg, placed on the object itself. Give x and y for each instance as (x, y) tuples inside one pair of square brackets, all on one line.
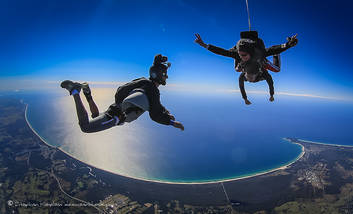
[(93, 107), (81, 111), (88, 94), (100, 123)]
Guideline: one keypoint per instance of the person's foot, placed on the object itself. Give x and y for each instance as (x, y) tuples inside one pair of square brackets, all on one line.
[(85, 89), (247, 102), (70, 86)]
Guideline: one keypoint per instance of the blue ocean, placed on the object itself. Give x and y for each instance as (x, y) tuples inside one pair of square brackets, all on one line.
[(223, 138)]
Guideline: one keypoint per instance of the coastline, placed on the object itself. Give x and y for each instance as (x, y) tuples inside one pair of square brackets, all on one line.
[(174, 182), (326, 144)]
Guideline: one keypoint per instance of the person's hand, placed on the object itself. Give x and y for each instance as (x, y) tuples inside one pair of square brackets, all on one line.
[(292, 41), (271, 99), (178, 125), (199, 41), (247, 102)]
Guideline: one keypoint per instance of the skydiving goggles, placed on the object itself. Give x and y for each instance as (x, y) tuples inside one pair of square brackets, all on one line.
[(243, 55), (168, 64)]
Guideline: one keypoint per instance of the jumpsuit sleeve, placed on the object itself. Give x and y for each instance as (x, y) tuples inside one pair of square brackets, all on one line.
[(276, 49), (221, 51), (241, 85), (157, 111), (269, 81)]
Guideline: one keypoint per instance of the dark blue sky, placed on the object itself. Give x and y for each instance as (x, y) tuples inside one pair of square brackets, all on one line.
[(110, 40)]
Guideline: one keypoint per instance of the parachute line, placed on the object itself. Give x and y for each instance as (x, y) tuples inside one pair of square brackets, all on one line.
[(247, 8)]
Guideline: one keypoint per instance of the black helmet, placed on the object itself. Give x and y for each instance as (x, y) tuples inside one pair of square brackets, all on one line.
[(159, 69), (246, 45), (253, 35)]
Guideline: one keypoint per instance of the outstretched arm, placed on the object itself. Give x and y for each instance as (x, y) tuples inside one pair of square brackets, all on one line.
[(292, 41), (174, 123), (214, 49), (199, 41), (160, 114), (277, 49)]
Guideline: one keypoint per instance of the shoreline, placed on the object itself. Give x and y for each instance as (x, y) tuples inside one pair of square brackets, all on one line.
[(173, 182), (325, 144)]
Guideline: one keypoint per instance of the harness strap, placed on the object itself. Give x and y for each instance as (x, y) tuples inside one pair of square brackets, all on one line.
[(108, 121), (270, 66), (116, 120)]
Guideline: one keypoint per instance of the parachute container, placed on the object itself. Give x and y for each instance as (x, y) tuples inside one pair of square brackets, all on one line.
[(135, 105)]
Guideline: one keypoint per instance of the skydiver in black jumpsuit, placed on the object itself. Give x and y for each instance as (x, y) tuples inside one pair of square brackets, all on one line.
[(114, 115), (249, 56)]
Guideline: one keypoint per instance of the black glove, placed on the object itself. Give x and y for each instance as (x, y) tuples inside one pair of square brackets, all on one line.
[(292, 41)]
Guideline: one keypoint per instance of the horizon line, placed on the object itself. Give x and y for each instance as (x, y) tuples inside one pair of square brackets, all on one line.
[(175, 87)]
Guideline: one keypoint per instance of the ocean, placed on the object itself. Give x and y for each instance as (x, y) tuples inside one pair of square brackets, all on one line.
[(223, 138)]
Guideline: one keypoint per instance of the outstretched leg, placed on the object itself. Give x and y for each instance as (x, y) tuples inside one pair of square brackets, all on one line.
[(100, 123), (74, 88), (81, 111), (92, 105)]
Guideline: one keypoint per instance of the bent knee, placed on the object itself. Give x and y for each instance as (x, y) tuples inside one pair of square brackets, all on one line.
[(85, 128)]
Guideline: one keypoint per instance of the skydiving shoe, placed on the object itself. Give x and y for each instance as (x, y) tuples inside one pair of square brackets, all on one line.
[(86, 91), (71, 86)]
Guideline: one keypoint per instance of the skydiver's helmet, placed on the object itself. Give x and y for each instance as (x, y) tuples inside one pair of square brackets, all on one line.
[(246, 45), (159, 69), (253, 35), (252, 44), (259, 43)]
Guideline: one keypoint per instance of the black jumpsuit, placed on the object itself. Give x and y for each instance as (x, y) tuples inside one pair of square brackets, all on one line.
[(233, 53), (109, 118)]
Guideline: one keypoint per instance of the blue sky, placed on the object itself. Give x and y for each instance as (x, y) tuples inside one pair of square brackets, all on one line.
[(106, 40)]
